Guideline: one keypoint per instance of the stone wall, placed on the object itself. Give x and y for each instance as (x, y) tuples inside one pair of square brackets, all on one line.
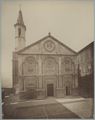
[(37, 71), (86, 71)]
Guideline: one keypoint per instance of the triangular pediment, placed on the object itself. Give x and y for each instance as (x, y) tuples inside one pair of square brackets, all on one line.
[(47, 45)]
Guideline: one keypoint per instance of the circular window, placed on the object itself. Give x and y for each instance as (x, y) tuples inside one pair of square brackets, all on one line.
[(49, 45)]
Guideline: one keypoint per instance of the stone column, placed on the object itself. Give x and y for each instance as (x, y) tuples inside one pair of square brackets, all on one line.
[(59, 65), (59, 71), (40, 65)]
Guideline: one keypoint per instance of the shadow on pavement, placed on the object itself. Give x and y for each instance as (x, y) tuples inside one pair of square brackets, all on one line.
[(50, 110)]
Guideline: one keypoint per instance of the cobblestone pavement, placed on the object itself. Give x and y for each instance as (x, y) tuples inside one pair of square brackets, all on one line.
[(55, 110)]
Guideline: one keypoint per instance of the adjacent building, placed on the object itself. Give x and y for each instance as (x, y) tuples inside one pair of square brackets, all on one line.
[(86, 71)]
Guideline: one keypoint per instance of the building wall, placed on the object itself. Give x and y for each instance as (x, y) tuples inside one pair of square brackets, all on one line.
[(86, 72), (37, 71)]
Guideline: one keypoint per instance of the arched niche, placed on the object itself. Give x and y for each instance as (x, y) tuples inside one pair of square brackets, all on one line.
[(50, 66), (67, 65), (30, 82), (30, 66)]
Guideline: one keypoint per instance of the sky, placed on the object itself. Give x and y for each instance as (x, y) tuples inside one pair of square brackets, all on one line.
[(70, 21)]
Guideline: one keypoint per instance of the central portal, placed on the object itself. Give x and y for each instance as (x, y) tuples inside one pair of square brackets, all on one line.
[(50, 90)]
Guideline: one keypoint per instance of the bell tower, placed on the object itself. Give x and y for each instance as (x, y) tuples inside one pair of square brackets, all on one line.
[(20, 30)]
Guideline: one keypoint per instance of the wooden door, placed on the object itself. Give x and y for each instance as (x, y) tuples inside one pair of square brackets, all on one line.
[(50, 90), (67, 90)]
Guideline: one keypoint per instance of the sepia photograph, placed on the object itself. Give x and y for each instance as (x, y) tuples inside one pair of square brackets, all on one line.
[(47, 59)]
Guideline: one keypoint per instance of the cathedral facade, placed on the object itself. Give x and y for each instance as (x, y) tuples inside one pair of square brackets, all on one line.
[(44, 68)]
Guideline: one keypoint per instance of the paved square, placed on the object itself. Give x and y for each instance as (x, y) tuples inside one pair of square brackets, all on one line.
[(75, 107), (55, 110)]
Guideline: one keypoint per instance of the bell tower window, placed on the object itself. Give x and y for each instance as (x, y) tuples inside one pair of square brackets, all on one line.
[(19, 32)]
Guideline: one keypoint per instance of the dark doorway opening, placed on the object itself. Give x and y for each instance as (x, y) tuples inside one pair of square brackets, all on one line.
[(50, 90), (67, 90)]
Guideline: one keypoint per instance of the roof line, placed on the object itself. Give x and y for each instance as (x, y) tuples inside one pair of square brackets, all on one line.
[(63, 44), (32, 44), (49, 35), (92, 43)]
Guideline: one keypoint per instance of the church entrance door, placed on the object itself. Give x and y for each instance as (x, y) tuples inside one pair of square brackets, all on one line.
[(67, 90), (50, 90)]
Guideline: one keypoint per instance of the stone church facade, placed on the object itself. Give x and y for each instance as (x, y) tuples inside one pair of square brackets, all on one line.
[(44, 68)]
